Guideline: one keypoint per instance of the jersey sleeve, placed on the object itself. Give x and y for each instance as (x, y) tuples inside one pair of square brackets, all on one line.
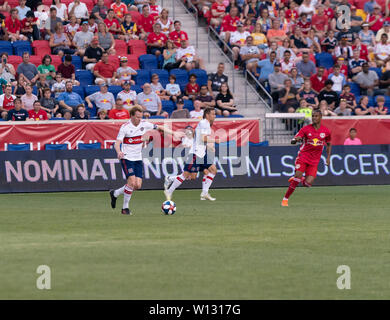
[(204, 128), (149, 126), (301, 133), (121, 133), (328, 137)]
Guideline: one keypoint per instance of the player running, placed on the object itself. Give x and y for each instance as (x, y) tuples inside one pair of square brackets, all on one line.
[(131, 136), (314, 137), (197, 159)]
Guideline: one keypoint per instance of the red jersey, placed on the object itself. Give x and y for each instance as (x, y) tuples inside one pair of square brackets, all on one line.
[(363, 51), (110, 23), (8, 103), (218, 7), (119, 114), (343, 70), (377, 25), (178, 37), (106, 70), (329, 13), (12, 26), (319, 22), (40, 115), (27, 24), (305, 26), (292, 15), (229, 23), (160, 38), (147, 23), (316, 83), (192, 88), (313, 143), (120, 10)]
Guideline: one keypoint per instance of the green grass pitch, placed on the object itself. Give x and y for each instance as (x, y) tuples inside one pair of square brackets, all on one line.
[(243, 246)]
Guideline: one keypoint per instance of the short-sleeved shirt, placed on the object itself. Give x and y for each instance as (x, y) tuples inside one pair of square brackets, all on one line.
[(66, 71), (119, 114), (72, 99), (199, 146), (2, 83), (102, 11), (384, 77), (40, 115), (328, 96), (173, 89), (147, 23), (313, 143), (106, 70), (367, 79), (94, 53), (178, 37), (131, 137), (83, 39), (20, 115), (109, 23), (12, 26), (223, 97), (44, 69), (345, 112), (128, 98), (217, 80), (103, 100), (150, 101), (29, 70), (308, 96)]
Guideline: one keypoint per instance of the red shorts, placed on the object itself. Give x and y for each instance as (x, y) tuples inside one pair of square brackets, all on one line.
[(308, 169)]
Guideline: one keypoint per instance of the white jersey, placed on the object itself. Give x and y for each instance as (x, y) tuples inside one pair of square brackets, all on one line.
[(165, 27), (128, 98), (131, 137), (187, 142), (199, 146)]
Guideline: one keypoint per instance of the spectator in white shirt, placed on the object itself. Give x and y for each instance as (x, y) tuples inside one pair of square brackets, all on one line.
[(79, 9), (187, 54)]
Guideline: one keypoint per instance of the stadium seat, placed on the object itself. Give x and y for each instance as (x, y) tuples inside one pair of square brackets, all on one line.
[(371, 101), (91, 89), (168, 106), (92, 111), (85, 77), (157, 117), (114, 60), (132, 61), (35, 90), (162, 74), (59, 146), (201, 76), (76, 61), (15, 61), (188, 104), (21, 46), (135, 15), (79, 90), (56, 60), (85, 146), (378, 71), (236, 116), (136, 88), (13, 3), (142, 76), (121, 47), (6, 46), (57, 118), (148, 61), (387, 102), (324, 59), (355, 89), (115, 90), (90, 4), (181, 76), (37, 60), (137, 47), (41, 47), (19, 147)]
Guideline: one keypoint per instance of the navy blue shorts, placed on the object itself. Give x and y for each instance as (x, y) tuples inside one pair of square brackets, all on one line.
[(131, 168), (196, 164)]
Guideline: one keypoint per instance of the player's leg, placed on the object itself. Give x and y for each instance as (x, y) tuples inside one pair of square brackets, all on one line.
[(134, 182), (128, 170), (310, 175), (178, 180), (208, 177), (299, 170)]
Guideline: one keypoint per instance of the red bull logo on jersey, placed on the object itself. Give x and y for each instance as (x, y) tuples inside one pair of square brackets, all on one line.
[(316, 142)]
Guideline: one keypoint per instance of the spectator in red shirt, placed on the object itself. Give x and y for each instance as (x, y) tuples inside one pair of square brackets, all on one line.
[(304, 23), (29, 26), (318, 80), (343, 67), (120, 9), (192, 88), (119, 112), (217, 13), (37, 113), (178, 36), (13, 26), (105, 72), (156, 40), (229, 24), (146, 22), (375, 20), (112, 24), (320, 23)]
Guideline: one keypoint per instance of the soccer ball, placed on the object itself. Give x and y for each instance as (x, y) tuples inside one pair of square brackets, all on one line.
[(168, 207)]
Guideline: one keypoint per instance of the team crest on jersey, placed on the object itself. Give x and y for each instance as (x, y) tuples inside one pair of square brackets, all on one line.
[(322, 135), (142, 129), (297, 166), (130, 170)]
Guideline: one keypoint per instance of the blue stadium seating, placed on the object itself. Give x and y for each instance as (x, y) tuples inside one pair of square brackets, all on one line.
[(355, 89), (57, 118), (85, 146), (115, 90), (6, 46), (324, 59), (148, 61), (79, 90), (162, 74), (59, 146), (168, 106), (76, 61), (157, 117), (21, 46), (19, 147), (85, 77), (236, 116), (141, 77), (136, 88), (371, 101), (181, 76), (201, 76), (91, 89), (92, 111), (378, 71), (188, 104), (35, 90)]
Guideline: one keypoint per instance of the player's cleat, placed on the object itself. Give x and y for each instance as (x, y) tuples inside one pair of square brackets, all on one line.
[(126, 211), (167, 182), (290, 179), (168, 196), (207, 197), (285, 203), (113, 199)]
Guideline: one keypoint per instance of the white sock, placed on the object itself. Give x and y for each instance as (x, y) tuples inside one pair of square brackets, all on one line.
[(176, 183), (128, 191), (206, 183), (119, 191)]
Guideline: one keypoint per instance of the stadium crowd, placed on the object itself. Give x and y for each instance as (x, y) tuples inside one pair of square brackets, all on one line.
[(95, 60), (307, 55)]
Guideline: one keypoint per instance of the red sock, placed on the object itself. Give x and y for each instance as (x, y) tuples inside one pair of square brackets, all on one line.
[(306, 184), (293, 184)]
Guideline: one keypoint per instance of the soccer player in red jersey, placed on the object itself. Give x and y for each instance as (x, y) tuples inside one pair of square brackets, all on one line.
[(314, 136)]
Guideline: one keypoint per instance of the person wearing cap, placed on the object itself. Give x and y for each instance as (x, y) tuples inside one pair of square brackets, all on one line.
[(382, 51), (92, 54), (180, 112), (82, 39), (276, 81), (344, 49), (102, 99), (124, 72), (367, 80), (366, 35), (375, 20), (385, 29), (237, 40), (127, 95), (29, 26), (356, 21), (119, 112)]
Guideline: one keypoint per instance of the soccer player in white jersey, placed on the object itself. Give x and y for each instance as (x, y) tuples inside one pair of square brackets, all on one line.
[(131, 136), (197, 159)]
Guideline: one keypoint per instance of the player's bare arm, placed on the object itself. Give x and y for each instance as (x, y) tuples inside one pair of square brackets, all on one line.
[(328, 153), (295, 140), (117, 147), (176, 134)]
